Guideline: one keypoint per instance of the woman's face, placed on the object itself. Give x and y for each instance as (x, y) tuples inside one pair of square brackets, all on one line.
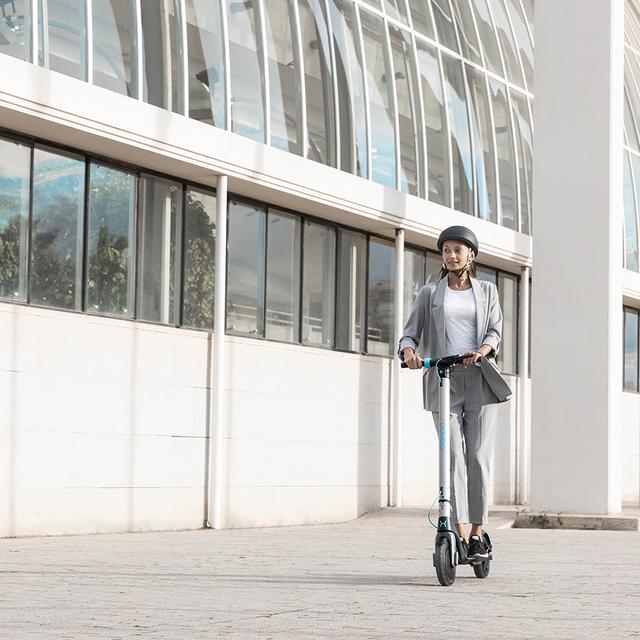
[(456, 254)]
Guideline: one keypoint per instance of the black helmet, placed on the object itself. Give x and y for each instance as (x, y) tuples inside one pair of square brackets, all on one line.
[(461, 234)]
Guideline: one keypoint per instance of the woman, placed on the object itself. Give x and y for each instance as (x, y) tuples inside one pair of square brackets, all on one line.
[(459, 314)]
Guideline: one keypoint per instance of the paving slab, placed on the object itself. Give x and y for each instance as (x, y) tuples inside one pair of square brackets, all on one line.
[(370, 578)]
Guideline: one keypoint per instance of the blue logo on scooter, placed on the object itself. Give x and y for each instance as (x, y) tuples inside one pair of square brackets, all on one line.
[(442, 434)]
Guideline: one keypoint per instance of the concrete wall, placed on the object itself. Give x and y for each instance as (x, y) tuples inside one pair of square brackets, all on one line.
[(106, 425), (630, 438)]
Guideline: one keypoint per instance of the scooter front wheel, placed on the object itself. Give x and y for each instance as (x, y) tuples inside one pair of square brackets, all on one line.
[(442, 561)]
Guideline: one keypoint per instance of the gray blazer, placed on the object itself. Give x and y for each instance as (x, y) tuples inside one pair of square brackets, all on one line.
[(425, 327)]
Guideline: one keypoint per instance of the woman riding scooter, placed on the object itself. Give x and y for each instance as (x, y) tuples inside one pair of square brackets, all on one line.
[(459, 314)]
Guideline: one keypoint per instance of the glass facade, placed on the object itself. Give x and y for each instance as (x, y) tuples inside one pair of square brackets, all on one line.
[(389, 91), (141, 246)]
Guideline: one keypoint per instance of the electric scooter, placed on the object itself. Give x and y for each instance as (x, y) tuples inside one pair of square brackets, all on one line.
[(449, 550)]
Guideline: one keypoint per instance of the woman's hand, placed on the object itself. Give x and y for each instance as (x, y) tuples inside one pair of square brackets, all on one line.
[(474, 356), (411, 359)]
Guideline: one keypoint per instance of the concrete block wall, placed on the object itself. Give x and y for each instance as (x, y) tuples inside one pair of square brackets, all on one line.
[(105, 428)]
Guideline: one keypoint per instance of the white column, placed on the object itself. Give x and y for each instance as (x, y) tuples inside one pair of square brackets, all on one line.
[(523, 440), (217, 442), (576, 352), (396, 489)]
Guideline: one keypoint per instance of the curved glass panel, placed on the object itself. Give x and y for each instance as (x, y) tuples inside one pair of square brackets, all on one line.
[(407, 101), (206, 62), (506, 158), (518, 20), (247, 107), (630, 211), (632, 24), (632, 100), (57, 229), (199, 259), (466, 30), (460, 137), (160, 33), (382, 268), (488, 37), (509, 49), (383, 151), (283, 277), (15, 170), (444, 24), (486, 189), (317, 82), (283, 78), (114, 46), (160, 245), (630, 130), (245, 270), (524, 138), (110, 241), (15, 24), (318, 284), (435, 125), (397, 9), (421, 18), (351, 101), (527, 5), (63, 38)]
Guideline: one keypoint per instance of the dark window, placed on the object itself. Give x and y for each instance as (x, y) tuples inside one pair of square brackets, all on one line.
[(630, 350), (283, 277), (318, 284), (245, 273), (352, 290), (111, 241), (15, 168), (159, 250), (57, 231), (199, 259)]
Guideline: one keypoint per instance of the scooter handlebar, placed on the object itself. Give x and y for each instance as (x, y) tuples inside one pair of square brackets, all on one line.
[(441, 363)]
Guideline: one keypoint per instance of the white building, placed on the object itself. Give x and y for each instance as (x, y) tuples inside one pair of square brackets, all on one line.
[(176, 170)]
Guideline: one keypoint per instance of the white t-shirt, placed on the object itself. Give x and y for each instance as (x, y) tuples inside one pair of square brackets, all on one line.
[(460, 321)]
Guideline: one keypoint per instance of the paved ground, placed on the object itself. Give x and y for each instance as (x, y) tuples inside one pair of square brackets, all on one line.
[(371, 578)]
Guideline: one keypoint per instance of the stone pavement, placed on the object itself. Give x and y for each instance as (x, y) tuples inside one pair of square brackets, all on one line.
[(370, 578)]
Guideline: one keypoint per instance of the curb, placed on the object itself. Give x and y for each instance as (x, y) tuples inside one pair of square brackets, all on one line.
[(542, 520)]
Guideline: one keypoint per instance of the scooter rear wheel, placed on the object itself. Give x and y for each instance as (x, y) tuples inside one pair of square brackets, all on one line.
[(442, 562), (482, 569)]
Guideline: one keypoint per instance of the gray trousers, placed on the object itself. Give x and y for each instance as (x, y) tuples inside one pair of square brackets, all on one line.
[(473, 431)]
